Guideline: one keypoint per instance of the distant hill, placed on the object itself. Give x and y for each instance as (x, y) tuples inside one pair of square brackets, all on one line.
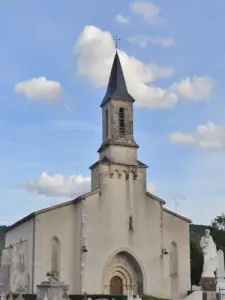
[(197, 231), (2, 237)]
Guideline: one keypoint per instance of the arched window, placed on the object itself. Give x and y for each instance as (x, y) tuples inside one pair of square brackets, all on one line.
[(174, 259), (55, 257), (106, 123), (121, 121)]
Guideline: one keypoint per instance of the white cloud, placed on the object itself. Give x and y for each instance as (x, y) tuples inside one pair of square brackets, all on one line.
[(151, 187), (195, 88), (149, 11), (95, 50), (179, 137), (208, 136), (211, 136), (59, 185), (143, 40), (120, 19), (70, 125), (164, 42), (40, 89)]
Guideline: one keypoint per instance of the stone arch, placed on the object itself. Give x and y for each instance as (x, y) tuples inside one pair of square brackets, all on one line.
[(174, 271), (134, 173), (126, 268), (118, 173), (126, 174), (55, 257)]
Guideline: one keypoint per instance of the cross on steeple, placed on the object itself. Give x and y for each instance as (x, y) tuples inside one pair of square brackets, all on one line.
[(116, 39)]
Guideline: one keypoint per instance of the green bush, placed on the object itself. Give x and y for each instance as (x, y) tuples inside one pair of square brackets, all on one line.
[(149, 297)]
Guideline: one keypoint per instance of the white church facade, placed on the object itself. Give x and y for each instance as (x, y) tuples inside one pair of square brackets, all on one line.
[(116, 239)]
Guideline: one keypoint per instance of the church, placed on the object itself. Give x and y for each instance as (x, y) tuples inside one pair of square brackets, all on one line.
[(116, 239)]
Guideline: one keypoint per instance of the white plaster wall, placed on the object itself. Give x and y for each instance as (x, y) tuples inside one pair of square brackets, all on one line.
[(24, 232), (107, 217), (126, 155), (177, 230), (64, 223), (95, 173)]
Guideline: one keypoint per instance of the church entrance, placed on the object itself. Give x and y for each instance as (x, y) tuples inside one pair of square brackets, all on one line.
[(123, 276), (116, 286)]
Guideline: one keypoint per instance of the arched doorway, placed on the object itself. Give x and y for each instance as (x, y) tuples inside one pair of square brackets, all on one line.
[(174, 272), (122, 275), (116, 286)]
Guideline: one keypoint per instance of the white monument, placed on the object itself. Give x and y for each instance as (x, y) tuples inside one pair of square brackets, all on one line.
[(220, 272), (209, 287), (210, 255)]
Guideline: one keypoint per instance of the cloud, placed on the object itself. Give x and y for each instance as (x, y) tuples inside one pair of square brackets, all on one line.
[(195, 88), (59, 185), (164, 42), (70, 125), (40, 89), (143, 40), (179, 137), (151, 187), (95, 50), (120, 19), (208, 136), (148, 11)]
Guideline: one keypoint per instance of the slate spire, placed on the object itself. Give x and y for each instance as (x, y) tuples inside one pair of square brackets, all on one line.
[(117, 88)]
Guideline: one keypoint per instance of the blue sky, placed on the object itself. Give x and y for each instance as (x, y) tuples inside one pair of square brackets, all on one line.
[(62, 135)]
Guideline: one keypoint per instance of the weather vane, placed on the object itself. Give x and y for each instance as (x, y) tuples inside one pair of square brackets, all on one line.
[(116, 39)]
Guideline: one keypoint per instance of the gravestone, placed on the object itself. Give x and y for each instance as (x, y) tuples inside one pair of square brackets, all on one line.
[(220, 273)]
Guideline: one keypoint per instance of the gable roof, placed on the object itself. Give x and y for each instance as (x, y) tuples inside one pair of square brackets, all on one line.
[(166, 209), (155, 198), (177, 215), (40, 211)]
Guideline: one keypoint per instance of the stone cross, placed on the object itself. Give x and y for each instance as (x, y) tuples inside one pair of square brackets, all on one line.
[(220, 273)]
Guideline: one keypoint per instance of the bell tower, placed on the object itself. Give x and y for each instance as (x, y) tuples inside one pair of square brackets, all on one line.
[(118, 143)]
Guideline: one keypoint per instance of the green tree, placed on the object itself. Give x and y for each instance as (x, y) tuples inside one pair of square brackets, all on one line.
[(219, 222), (196, 261)]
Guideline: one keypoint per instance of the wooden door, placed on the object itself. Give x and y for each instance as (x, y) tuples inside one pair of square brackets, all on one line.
[(116, 286)]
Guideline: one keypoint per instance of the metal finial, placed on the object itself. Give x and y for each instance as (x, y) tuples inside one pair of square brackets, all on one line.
[(116, 39)]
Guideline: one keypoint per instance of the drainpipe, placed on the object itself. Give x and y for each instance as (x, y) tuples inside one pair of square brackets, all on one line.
[(83, 248), (33, 255), (162, 244)]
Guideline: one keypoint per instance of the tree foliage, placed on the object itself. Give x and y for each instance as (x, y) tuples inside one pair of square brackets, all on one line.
[(219, 222)]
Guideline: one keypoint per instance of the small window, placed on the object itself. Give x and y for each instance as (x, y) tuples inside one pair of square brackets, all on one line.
[(106, 123), (121, 121), (131, 225)]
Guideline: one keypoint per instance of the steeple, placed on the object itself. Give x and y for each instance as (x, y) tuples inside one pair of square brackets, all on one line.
[(118, 149), (118, 143), (117, 88)]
